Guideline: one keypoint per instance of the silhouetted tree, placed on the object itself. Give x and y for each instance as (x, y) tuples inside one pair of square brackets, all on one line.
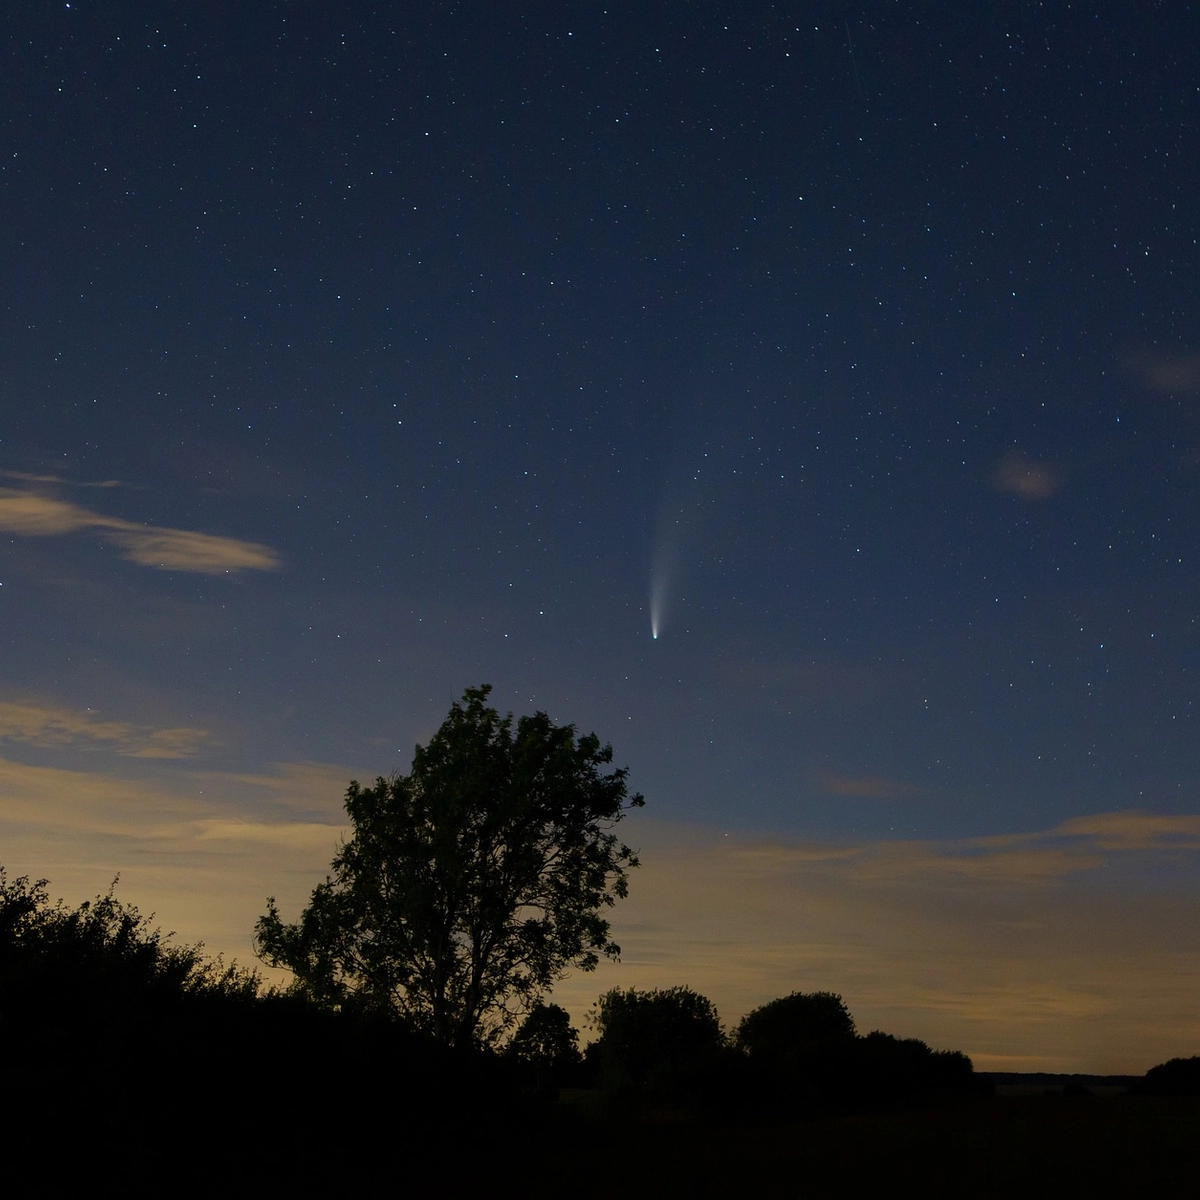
[(548, 1043), (469, 885), (1175, 1077), (805, 1050), (796, 1028), (653, 1037), (890, 1067), (800, 1048)]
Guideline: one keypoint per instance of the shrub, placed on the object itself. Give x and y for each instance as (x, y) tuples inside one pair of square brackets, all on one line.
[(547, 1045), (888, 1067), (100, 962), (653, 1039), (1175, 1077)]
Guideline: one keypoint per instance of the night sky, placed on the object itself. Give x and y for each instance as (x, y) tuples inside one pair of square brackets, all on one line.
[(806, 398)]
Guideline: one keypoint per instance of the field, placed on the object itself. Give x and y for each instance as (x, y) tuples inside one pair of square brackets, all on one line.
[(1038, 1145), (1025, 1145)]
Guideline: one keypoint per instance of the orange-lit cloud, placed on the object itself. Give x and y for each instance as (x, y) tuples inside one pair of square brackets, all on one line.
[(60, 728), (26, 477), (32, 514), (1023, 865), (1134, 830), (1026, 477), (201, 850)]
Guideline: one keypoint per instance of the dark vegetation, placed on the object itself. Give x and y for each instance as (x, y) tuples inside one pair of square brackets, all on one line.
[(799, 1054), (407, 1060), (1175, 1077), (129, 1060)]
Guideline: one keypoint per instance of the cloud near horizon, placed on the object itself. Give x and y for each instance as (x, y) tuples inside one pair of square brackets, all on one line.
[(1058, 949), (1132, 829), (1046, 950), (199, 849), (32, 514)]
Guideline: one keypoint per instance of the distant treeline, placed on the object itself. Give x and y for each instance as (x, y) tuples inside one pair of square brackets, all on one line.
[(798, 1053)]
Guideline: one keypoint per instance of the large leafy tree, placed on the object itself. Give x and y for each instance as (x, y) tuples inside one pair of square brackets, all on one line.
[(470, 885)]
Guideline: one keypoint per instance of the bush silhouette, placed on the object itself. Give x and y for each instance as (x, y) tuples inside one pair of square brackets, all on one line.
[(100, 962), (805, 1053), (798, 1046), (547, 1045), (887, 1067), (1175, 1077), (795, 1028), (115, 1040), (655, 1039)]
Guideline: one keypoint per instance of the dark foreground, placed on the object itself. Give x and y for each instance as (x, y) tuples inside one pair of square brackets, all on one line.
[(1050, 1145), (1042, 1145), (131, 1068)]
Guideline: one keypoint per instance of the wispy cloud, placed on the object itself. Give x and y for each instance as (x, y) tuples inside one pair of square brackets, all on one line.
[(27, 477), (1077, 845), (199, 850), (55, 727), (33, 514), (299, 835), (1020, 475), (864, 787), (985, 864), (1134, 830), (1169, 373)]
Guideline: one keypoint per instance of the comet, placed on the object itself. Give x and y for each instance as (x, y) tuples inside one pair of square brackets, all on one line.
[(660, 578)]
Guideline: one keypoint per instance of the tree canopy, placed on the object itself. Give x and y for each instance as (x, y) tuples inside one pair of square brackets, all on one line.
[(470, 885), (547, 1041), (796, 1026), (648, 1036)]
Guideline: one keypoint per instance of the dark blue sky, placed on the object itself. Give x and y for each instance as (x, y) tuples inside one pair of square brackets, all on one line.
[(352, 358)]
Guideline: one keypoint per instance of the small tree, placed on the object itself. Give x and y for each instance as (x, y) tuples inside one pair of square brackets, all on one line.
[(469, 885), (1175, 1077), (547, 1042), (799, 1047), (653, 1037), (796, 1027), (890, 1067)]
